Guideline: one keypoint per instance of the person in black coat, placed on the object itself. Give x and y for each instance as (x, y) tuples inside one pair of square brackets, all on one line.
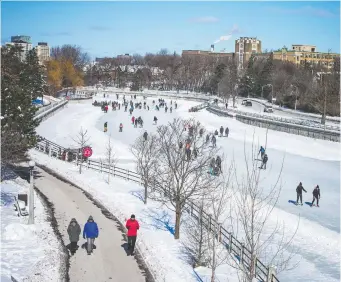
[(265, 160), (221, 130), (316, 195), (145, 135), (227, 132), (74, 230), (299, 190)]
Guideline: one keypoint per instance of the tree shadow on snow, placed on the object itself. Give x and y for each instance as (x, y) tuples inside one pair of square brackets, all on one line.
[(160, 220), (138, 194)]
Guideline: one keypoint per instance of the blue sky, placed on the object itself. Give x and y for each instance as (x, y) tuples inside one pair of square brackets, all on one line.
[(112, 28)]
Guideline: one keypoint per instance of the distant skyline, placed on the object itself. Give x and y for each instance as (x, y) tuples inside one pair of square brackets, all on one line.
[(113, 28)]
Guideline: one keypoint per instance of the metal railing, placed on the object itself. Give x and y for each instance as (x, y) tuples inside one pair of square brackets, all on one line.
[(49, 109), (279, 125), (234, 246)]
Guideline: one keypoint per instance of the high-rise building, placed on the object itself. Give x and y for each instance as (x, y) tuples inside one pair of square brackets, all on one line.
[(245, 47), (22, 41), (43, 52), (21, 38)]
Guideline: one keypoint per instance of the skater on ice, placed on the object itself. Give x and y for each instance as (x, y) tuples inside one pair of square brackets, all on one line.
[(316, 195), (227, 132), (155, 120), (299, 190), (264, 161), (221, 131), (121, 127), (207, 138), (105, 126), (145, 135), (214, 141), (262, 152)]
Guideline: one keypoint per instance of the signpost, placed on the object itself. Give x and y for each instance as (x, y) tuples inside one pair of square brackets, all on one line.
[(87, 152)]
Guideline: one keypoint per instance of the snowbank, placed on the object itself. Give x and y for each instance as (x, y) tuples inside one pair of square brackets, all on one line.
[(28, 252)]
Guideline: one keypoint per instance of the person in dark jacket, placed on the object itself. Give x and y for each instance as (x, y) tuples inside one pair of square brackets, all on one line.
[(145, 135), (201, 132), (265, 160), (218, 163), (214, 141), (90, 232), (299, 190), (227, 132), (155, 120), (105, 126), (221, 131), (316, 195), (132, 225), (74, 230), (207, 138)]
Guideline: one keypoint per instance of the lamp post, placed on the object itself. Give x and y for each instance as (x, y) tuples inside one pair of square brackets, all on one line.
[(31, 197)]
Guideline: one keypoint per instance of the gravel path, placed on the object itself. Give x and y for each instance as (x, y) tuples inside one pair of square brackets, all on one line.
[(109, 261)]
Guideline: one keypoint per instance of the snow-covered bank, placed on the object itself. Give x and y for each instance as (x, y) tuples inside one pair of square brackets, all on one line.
[(28, 252)]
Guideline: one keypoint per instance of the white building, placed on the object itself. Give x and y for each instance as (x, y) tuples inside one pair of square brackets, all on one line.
[(25, 47), (43, 52)]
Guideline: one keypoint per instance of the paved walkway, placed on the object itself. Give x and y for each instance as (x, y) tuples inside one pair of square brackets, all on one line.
[(109, 261)]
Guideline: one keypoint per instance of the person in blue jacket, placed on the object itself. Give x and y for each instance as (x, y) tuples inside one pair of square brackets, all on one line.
[(90, 232), (262, 152)]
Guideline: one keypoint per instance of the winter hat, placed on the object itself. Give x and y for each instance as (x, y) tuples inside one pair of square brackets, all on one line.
[(90, 218), (318, 186), (300, 183), (132, 216)]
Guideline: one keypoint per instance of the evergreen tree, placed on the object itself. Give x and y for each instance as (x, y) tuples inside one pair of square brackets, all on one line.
[(218, 75), (265, 76), (21, 82)]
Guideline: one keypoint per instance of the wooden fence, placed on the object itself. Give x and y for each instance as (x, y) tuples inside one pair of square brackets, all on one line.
[(234, 246)]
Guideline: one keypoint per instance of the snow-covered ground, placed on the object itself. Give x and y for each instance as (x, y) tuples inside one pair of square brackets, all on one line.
[(305, 160), (28, 252)]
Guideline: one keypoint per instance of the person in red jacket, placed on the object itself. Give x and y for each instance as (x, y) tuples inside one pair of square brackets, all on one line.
[(132, 225)]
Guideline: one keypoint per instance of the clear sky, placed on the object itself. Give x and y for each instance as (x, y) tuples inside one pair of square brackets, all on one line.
[(113, 28)]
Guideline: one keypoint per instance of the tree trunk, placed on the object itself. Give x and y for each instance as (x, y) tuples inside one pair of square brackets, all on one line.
[(213, 259), (177, 221), (145, 192)]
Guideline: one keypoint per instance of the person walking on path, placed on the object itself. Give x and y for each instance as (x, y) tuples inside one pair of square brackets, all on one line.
[(74, 230), (316, 195), (90, 232), (132, 225), (299, 190)]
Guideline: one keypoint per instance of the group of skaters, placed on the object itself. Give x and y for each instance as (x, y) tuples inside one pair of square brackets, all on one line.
[(316, 194), (90, 233), (299, 188), (136, 121)]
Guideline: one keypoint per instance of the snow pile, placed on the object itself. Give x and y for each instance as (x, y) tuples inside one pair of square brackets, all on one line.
[(28, 252)]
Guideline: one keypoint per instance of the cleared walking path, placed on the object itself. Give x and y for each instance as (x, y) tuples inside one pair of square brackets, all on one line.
[(109, 261)]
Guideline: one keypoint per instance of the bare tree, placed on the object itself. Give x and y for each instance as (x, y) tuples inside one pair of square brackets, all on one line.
[(146, 160), (180, 176), (219, 199), (253, 205), (110, 156), (81, 140)]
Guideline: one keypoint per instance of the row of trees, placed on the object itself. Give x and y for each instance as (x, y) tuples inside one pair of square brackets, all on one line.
[(291, 85), (233, 199), (21, 83)]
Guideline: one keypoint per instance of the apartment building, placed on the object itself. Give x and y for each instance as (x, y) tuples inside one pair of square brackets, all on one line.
[(22, 41), (245, 47), (301, 54), (43, 52)]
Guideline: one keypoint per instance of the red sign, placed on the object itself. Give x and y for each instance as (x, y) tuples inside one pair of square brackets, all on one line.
[(87, 152)]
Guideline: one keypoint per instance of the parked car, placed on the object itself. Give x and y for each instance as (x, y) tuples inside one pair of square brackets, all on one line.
[(247, 103), (268, 109)]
